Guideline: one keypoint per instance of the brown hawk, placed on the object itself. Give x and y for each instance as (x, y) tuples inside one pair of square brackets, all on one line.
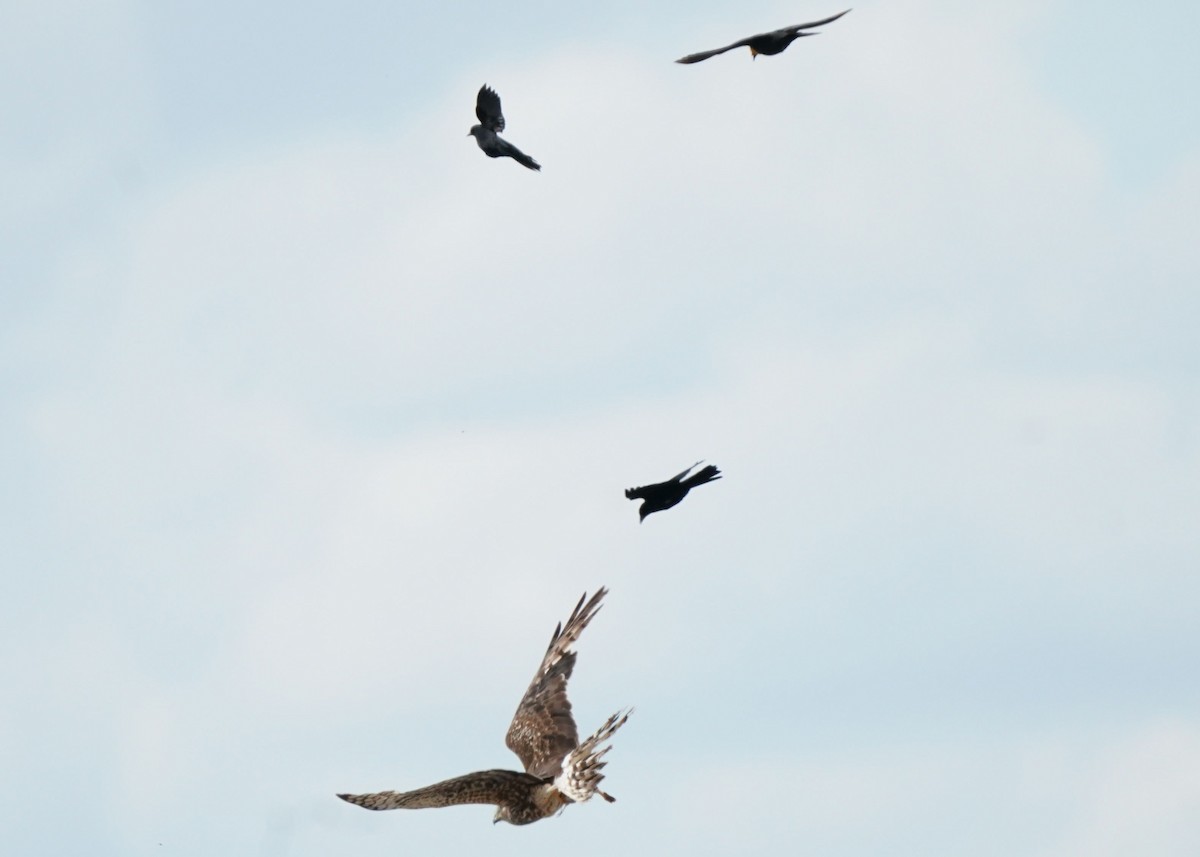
[(559, 770)]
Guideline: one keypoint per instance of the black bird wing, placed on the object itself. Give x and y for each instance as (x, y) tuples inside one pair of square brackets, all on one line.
[(487, 109), (642, 491), (701, 477), (744, 43), (517, 155), (543, 731), (703, 55)]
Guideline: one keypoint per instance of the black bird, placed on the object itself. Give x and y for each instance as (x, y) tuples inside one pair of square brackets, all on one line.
[(664, 495), (491, 123), (770, 44)]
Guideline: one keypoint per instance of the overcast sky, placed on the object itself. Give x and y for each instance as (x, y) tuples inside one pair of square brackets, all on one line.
[(315, 421)]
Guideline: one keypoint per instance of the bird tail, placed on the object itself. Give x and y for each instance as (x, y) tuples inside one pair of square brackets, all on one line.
[(580, 777)]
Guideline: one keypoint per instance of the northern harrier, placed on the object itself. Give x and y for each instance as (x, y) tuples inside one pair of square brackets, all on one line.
[(770, 44), (559, 770), (664, 495), (491, 123)]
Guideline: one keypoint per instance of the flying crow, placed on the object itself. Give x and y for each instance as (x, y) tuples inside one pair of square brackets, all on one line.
[(491, 123), (664, 495), (764, 43)]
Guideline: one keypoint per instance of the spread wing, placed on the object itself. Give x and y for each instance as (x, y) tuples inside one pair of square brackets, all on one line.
[(820, 23), (542, 731), (495, 787), (642, 490), (703, 55), (487, 109)]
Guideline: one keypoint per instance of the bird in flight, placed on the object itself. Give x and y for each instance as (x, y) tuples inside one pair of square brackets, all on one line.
[(559, 770), (664, 495), (774, 42), (491, 123)]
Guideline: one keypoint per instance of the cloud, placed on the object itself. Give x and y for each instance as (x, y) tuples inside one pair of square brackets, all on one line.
[(1142, 793)]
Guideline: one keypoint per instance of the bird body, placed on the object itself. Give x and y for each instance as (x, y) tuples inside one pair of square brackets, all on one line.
[(769, 44), (664, 495), (491, 123), (559, 769)]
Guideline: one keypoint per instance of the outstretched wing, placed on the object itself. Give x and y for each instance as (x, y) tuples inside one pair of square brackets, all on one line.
[(516, 154), (812, 24), (642, 490), (703, 55), (700, 477), (495, 787), (487, 109), (542, 731)]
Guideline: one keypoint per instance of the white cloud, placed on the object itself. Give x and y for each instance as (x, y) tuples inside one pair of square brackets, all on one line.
[(1142, 795)]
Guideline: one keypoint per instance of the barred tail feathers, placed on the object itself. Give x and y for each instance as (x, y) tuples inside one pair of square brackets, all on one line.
[(580, 777)]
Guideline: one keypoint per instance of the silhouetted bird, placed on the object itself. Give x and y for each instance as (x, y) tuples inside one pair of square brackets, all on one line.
[(664, 495), (486, 134), (770, 44)]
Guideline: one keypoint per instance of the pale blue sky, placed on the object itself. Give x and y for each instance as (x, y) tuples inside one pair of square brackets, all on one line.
[(315, 421)]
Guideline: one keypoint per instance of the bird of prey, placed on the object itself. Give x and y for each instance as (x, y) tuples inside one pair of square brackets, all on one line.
[(491, 123), (664, 495), (770, 44), (559, 769)]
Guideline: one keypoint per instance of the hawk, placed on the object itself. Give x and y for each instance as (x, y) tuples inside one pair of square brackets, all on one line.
[(774, 42), (491, 123), (664, 495), (559, 769)]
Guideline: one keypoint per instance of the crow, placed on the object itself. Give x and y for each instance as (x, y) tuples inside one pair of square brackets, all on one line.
[(486, 134), (664, 495), (770, 44)]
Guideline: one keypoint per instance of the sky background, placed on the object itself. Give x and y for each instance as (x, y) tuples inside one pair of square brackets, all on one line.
[(315, 421)]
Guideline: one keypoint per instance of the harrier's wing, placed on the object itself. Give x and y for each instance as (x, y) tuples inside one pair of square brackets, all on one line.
[(542, 731), (641, 490), (487, 109), (494, 787)]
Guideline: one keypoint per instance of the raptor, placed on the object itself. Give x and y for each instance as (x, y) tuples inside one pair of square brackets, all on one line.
[(559, 769)]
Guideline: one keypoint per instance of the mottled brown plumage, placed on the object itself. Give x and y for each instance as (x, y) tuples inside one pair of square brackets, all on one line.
[(558, 768)]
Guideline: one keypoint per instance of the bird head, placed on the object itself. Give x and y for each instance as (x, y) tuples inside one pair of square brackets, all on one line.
[(753, 53), (501, 815), (474, 132)]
